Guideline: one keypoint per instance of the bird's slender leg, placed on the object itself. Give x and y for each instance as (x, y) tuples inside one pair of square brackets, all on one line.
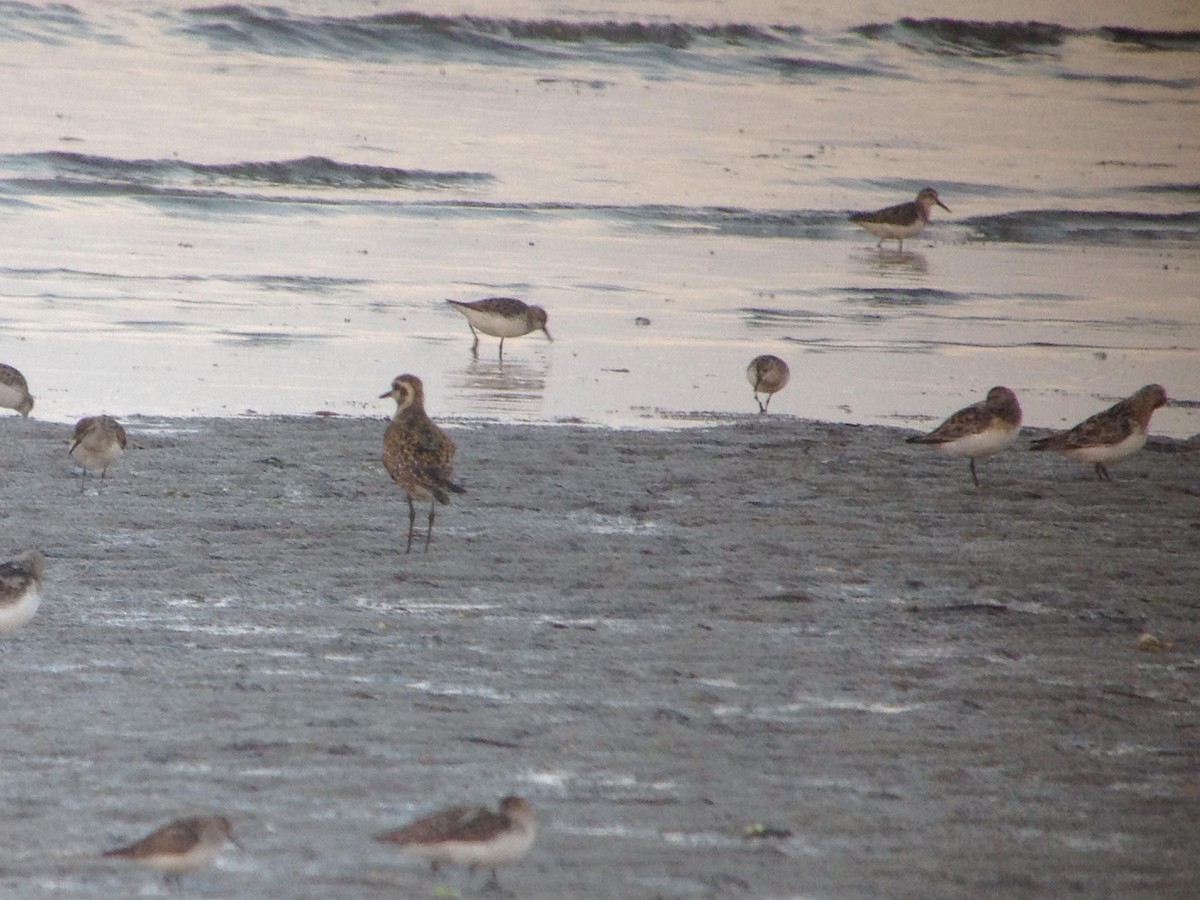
[(501, 349), (973, 475), (1102, 472), (412, 518), (474, 334), (429, 530)]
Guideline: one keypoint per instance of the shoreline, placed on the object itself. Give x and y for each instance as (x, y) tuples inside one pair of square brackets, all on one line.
[(777, 658)]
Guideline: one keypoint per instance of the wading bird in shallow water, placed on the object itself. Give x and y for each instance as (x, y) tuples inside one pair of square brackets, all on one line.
[(501, 317), (417, 454), (181, 847), (1108, 437), (768, 375), (473, 836), (20, 590), (99, 441), (14, 390), (979, 430), (902, 221)]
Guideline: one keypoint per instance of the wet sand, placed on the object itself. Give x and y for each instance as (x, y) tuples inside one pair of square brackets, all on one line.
[(770, 658)]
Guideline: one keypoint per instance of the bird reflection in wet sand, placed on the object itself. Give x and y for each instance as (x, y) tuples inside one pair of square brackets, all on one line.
[(1109, 436), (183, 846), (472, 836), (904, 220), (768, 375), (515, 389), (977, 431), (417, 454), (501, 317)]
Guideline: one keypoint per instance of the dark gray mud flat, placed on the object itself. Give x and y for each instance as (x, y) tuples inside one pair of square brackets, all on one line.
[(773, 658)]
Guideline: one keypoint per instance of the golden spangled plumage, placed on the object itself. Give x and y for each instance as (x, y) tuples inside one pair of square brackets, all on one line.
[(901, 221), (501, 317), (767, 374), (98, 442), (979, 430), (416, 453), (1109, 436), (20, 590), (14, 390), (180, 847), (470, 835)]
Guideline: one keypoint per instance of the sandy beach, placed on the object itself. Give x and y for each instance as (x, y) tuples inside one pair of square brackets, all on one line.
[(770, 658)]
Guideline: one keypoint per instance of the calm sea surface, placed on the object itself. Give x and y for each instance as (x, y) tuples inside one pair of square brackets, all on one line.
[(210, 210)]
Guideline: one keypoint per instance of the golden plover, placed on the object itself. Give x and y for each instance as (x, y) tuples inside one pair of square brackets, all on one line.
[(1108, 437), (979, 430), (417, 454), (473, 836)]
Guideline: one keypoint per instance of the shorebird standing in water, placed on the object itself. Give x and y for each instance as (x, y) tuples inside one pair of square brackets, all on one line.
[(14, 390), (902, 221), (180, 847), (501, 317), (768, 375), (20, 590), (99, 441), (977, 431), (473, 836), (417, 454), (1110, 436)]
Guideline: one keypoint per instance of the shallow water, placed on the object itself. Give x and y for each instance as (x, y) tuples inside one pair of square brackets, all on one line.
[(215, 210)]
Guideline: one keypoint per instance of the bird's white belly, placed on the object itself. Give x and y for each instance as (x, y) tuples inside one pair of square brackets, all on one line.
[(14, 616), (1109, 454), (981, 445), (892, 231), (497, 325), (10, 397)]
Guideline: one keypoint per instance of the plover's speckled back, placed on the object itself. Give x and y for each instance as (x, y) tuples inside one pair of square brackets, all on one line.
[(20, 590), (470, 835), (180, 847), (501, 317), (768, 375), (978, 431), (902, 221), (417, 454), (1109, 436), (98, 442), (14, 390)]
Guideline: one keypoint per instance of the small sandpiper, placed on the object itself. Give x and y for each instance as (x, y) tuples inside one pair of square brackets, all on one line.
[(979, 430), (501, 317), (181, 847), (473, 836), (1110, 436), (20, 590), (902, 221), (14, 390), (99, 441), (767, 374), (417, 454)]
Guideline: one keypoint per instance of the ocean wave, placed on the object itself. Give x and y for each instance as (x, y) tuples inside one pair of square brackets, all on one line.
[(965, 38), (50, 23), (1151, 40), (84, 173), (274, 30), (1058, 226)]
